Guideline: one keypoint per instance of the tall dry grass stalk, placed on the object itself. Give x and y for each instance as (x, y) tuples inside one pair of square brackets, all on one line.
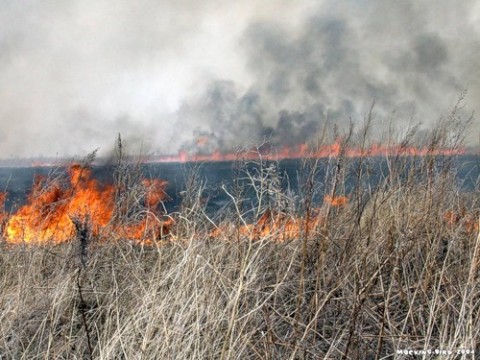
[(395, 268)]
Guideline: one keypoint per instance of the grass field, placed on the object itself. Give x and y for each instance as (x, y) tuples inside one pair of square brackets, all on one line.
[(393, 268)]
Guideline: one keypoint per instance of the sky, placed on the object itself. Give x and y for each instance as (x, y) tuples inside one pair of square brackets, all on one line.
[(170, 75)]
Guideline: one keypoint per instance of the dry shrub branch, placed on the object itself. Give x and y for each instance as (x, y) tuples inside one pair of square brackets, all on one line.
[(388, 261)]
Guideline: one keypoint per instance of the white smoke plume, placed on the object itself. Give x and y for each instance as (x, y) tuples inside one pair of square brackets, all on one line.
[(167, 73)]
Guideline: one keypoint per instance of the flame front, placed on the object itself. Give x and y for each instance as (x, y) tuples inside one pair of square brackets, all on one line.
[(273, 225), (335, 200), (51, 206), (303, 151), (467, 220)]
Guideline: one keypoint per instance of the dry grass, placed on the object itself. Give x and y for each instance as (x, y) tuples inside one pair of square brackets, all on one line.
[(388, 271)]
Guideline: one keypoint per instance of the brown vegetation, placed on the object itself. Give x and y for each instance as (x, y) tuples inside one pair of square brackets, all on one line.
[(392, 268)]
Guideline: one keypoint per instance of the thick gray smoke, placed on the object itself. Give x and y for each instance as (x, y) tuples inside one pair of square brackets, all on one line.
[(212, 75)]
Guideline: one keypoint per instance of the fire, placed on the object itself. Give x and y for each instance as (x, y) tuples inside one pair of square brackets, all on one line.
[(336, 201), (280, 226), (469, 220), (52, 205), (156, 191), (304, 151), (273, 225)]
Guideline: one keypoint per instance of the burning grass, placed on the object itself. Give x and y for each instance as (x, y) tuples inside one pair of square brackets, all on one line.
[(52, 206), (305, 151), (380, 268)]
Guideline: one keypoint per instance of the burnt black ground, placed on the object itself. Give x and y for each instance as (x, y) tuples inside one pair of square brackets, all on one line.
[(17, 181)]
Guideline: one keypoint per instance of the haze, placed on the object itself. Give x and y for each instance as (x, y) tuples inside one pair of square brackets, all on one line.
[(165, 74)]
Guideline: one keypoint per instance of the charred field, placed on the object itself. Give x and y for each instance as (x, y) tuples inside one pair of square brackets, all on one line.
[(269, 179), (338, 257)]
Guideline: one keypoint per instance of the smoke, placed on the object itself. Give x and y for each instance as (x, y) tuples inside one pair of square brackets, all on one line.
[(214, 75)]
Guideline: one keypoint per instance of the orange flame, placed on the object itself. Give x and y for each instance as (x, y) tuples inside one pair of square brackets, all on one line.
[(51, 206), (304, 151), (336, 201), (273, 225), (469, 221)]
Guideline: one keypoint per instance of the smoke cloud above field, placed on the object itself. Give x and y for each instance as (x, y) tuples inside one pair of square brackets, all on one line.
[(209, 75)]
